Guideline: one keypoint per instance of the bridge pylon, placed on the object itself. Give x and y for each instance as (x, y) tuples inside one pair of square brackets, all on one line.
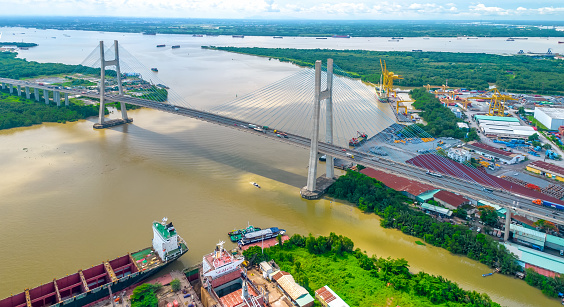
[(317, 186), (102, 123)]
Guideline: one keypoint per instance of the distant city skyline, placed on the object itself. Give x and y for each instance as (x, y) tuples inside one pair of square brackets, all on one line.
[(291, 9)]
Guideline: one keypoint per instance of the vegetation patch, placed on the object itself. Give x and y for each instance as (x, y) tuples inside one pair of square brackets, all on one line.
[(519, 73), (16, 68), (420, 243), (361, 280)]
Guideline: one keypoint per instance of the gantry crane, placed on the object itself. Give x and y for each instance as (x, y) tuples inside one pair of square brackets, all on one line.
[(388, 78), (497, 104)]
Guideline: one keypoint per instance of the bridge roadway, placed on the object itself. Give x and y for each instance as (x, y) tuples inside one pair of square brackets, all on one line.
[(511, 201)]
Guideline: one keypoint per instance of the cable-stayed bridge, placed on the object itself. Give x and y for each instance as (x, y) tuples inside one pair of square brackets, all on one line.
[(319, 120)]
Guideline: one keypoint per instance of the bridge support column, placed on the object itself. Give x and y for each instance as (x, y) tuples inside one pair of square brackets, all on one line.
[(46, 96), (67, 99), (102, 123), (19, 87), (3, 85), (329, 163), (312, 170), (36, 94), (27, 93), (57, 98), (507, 225), (11, 89)]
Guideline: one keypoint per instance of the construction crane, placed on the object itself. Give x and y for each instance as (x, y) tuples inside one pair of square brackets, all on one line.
[(388, 78), (497, 102)]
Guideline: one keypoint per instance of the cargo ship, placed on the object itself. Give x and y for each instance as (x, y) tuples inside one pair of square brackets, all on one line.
[(261, 235), (175, 46), (238, 234), (92, 284), (238, 36), (159, 46), (225, 282), (341, 36)]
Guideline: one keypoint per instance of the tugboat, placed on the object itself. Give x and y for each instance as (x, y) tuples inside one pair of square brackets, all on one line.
[(154, 69)]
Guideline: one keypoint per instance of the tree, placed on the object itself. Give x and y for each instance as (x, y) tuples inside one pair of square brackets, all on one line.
[(547, 146), (534, 137), (521, 110), (488, 215), (546, 226), (175, 285), (144, 296)]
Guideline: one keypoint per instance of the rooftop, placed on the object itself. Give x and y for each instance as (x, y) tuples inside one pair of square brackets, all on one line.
[(451, 198), (398, 183), (496, 118), (330, 297), (438, 164), (548, 167), (489, 149), (556, 113), (522, 219), (235, 298), (440, 210)]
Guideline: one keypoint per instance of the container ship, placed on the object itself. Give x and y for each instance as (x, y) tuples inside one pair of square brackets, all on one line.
[(225, 283), (92, 284), (238, 36), (257, 236)]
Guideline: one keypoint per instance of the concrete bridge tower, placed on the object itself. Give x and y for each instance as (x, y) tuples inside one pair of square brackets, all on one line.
[(316, 186), (102, 123)]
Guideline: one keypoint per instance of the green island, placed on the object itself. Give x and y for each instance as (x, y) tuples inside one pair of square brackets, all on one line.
[(19, 44), (359, 279), (370, 195), (518, 73), (256, 27)]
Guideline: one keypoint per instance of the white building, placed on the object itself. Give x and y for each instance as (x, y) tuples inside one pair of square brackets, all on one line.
[(463, 126), (459, 155), (551, 118)]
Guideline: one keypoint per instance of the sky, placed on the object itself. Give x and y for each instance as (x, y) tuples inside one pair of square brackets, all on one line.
[(293, 9)]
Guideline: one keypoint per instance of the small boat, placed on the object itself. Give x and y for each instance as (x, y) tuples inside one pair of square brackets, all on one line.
[(277, 37), (510, 40), (238, 36), (255, 184), (486, 275), (175, 46), (393, 40), (237, 235), (154, 69)]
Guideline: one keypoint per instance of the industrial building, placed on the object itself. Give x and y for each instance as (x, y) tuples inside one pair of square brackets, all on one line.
[(413, 189), (506, 127), (440, 211), (546, 169), (495, 153), (296, 293), (450, 200), (459, 155), (551, 118), (329, 298), (532, 238), (543, 263)]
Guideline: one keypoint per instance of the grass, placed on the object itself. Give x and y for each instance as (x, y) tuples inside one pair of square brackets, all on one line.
[(535, 122)]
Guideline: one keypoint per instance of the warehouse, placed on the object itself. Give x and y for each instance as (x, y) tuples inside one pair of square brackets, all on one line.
[(546, 169), (492, 152), (551, 118)]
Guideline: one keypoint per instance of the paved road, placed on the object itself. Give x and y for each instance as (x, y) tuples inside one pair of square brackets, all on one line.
[(517, 203)]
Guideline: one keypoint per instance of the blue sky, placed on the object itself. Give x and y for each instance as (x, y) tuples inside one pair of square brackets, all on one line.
[(295, 9)]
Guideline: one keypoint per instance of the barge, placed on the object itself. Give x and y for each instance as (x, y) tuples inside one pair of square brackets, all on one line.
[(92, 284)]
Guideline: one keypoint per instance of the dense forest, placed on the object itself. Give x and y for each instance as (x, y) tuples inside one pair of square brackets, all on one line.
[(17, 111), (519, 73), (16, 68), (361, 280), (441, 121), (370, 195), (261, 27)]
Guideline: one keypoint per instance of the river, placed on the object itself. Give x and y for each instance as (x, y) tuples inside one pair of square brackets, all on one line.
[(71, 196)]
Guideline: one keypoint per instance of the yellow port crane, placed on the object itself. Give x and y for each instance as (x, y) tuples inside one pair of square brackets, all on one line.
[(497, 102), (388, 78)]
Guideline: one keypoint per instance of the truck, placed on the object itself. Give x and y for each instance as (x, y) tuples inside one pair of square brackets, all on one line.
[(548, 204)]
